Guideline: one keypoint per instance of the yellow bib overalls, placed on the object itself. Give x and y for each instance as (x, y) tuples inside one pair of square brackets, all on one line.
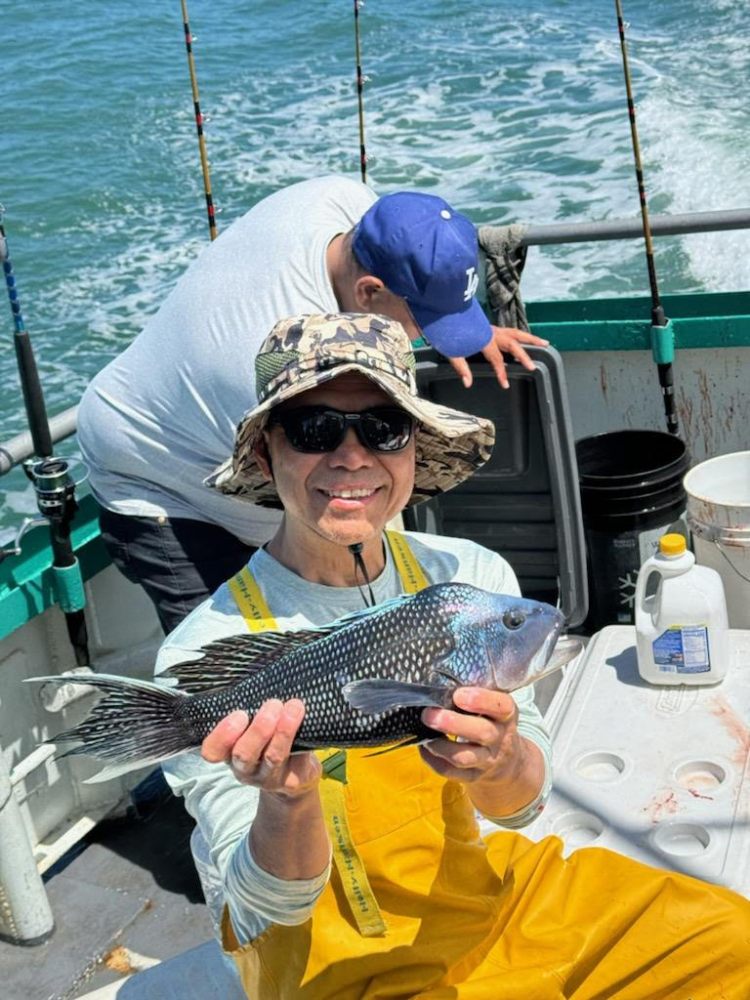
[(505, 919)]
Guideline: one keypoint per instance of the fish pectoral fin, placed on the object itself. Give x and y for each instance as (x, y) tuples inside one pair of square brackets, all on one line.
[(380, 695)]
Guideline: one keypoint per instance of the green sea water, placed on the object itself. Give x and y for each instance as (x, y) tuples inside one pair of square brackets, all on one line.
[(513, 112)]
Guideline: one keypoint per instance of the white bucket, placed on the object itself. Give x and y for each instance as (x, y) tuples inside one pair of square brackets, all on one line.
[(718, 514)]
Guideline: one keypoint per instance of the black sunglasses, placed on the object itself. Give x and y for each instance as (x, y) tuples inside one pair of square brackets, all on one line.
[(319, 428)]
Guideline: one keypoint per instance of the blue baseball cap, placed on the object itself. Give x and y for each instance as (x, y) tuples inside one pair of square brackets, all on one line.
[(426, 252)]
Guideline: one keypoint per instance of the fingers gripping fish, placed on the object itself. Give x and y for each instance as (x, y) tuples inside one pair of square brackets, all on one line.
[(364, 678)]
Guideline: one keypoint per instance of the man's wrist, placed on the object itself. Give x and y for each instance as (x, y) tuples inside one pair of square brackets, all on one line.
[(290, 801), (512, 789)]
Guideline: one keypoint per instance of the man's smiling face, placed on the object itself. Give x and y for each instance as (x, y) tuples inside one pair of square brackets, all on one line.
[(349, 494)]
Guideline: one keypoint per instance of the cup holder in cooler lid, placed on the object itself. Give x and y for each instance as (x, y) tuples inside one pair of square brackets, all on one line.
[(702, 778), (681, 840), (600, 765), (577, 828)]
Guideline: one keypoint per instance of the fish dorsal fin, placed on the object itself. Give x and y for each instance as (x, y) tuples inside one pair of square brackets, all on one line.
[(228, 661)]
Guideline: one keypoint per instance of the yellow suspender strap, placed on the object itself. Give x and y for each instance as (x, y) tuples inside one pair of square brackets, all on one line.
[(258, 618), (412, 577), (251, 602), (359, 894), (352, 872)]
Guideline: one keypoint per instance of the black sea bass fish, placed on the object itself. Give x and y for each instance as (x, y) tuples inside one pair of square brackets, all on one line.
[(363, 678)]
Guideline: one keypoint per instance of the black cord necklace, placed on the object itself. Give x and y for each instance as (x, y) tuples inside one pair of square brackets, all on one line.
[(359, 565)]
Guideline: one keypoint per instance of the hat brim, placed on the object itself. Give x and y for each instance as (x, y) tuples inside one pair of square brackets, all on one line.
[(455, 335), (450, 445)]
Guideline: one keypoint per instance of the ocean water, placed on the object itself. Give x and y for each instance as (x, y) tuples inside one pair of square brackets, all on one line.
[(513, 112)]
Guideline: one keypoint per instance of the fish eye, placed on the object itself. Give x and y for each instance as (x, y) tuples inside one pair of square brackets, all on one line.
[(513, 619)]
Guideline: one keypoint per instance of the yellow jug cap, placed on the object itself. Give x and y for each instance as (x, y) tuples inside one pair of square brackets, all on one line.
[(672, 544)]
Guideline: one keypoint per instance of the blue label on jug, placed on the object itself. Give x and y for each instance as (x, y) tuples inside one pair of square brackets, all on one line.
[(683, 650)]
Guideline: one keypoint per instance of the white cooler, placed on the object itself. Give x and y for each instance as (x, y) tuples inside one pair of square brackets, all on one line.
[(656, 773)]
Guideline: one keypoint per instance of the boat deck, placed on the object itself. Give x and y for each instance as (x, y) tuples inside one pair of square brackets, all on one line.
[(126, 899)]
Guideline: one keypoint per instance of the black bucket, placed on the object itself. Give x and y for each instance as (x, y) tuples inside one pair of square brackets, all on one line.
[(631, 494)]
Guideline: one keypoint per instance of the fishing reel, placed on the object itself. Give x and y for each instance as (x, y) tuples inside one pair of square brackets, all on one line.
[(54, 486)]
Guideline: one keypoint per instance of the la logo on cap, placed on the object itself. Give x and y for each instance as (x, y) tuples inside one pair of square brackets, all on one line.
[(472, 283)]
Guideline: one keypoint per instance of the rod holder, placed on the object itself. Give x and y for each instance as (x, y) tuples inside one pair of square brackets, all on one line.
[(662, 343)]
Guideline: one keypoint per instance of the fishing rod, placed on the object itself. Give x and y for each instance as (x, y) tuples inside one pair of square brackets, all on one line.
[(662, 332), (199, 120), (50, 476), (360, 97)]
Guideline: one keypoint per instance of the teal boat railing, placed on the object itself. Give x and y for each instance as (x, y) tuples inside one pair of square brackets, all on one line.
[(706, 320)]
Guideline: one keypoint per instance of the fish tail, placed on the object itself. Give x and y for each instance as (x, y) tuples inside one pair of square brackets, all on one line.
[(135, 723)]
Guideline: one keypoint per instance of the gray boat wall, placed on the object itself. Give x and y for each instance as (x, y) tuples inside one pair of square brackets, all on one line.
[(619, 389), (45, 805)]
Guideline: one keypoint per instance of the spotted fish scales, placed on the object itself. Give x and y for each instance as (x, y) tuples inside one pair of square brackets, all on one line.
[(364, 678)]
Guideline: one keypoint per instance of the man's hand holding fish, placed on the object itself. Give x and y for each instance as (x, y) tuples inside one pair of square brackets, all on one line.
[(336, 829), (259, 751), (504, 770)]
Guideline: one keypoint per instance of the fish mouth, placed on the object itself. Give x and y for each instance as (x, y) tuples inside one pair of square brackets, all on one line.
[(544, 652), (554, 653)]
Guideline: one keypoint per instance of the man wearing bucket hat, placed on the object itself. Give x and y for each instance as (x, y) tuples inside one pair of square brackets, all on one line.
[(160, 416), (413, 903)]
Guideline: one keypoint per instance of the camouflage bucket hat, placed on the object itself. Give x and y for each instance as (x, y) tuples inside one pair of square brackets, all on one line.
[(302, 352)]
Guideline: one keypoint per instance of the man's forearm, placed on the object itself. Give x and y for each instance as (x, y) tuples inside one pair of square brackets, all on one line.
[(288, 837)]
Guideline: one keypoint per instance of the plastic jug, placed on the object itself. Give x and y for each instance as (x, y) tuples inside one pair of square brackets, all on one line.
[(681, 619)]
